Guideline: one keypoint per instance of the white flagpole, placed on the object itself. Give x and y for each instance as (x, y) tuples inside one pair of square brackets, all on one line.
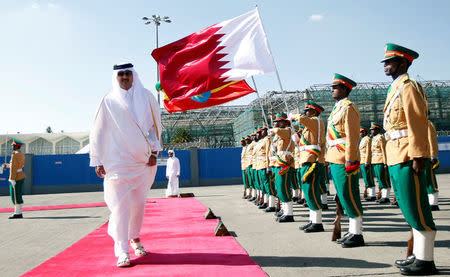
[(260, 102), (276, 69)]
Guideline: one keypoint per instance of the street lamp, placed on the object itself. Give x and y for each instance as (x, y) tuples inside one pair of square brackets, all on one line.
[(156, 19)]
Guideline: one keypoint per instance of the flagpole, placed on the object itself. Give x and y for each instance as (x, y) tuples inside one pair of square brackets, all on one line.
[(260, 102), (274, 63)]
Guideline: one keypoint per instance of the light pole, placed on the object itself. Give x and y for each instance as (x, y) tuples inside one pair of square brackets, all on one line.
[(156, 19)]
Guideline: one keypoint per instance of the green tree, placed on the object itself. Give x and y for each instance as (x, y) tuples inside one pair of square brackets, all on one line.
[(49, 130), (181, 135)]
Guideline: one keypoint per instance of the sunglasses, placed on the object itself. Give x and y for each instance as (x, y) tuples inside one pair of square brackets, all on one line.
[(126, 73)]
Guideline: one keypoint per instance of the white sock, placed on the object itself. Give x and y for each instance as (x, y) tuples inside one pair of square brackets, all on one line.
[(253, 193), (295, 192), (315, 216), (328, 186), (266, 198), (324, 199), (355, 225), (388, 192), (18, 209), (271, 201), (247, 192), (424, 244), (433, 198), (289, 208), (383, 193), (371, 192)]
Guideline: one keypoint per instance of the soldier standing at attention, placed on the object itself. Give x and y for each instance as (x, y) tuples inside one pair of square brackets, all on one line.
[(16, 178), (311, 159), (343, 156), (365, 145), (379, 166), (405, 122), (243, 168), (284, 168)]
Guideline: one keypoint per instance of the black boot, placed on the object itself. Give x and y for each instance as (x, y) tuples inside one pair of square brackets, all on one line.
[(344, 238), (263, 206), (295, 199), (314, 228), (353, 240), (419, 267), (407, 261), (278, 214), (14, 216), (270, 210), (370, 199), (305, 205), (325, 207), (395, 203), (305, 226), (301, 201), (252, 199), (384, 200), (435, 208), (286, 218)]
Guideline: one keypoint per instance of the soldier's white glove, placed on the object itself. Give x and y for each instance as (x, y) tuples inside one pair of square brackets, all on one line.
[(13, 182), (290, 115), (269, 132)]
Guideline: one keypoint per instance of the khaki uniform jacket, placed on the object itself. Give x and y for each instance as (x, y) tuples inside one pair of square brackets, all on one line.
[(365, 146), (261, 157), (432, 139), (378, 149), (310, 134), (297, 163), (249, 154), (283, 142), (16, 164), (243, 162), (408, 111), (272, 160), (346, 119)]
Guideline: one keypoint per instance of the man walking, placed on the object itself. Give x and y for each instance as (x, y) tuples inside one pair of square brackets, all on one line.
[(124, 143), (172, 174)]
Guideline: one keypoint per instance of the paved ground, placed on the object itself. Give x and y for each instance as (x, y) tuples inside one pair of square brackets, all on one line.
[(280, 249)]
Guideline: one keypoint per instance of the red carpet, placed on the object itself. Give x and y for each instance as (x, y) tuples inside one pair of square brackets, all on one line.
[(180, 241), (55, 207)]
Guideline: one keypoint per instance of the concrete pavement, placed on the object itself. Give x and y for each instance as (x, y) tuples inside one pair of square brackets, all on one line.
[(280, 249)]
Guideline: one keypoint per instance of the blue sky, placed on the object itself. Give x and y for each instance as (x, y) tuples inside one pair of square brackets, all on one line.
[(57, 55)]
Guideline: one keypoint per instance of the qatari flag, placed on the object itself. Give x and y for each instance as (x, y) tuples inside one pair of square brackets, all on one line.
[(214, 57)]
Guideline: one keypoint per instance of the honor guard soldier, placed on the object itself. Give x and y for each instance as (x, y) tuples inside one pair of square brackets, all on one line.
[(297, 166), (379, 166), (16, 178), (243, 168), (365, 145), (262, 163), (343, 157), (284, 168), (248, 161), (311, 159), (257, 184), (272, 160), (432, 187), (405, 122)]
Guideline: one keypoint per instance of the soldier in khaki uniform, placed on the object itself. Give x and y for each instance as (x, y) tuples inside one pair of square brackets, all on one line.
[(311, 144), (365, 145), (405, 122), (284, 167), (16, 178), (379, 166), (297, 166), (248, 166), (343, 156), (271, 163), (432, 187), (261, 165), (243, 168)]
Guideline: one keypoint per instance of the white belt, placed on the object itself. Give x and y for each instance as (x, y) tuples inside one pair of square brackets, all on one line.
[(283, 153), (260, 158), (272, 158), (335, 142), (309, 147), (396, 134), (377, 154), (19, 170)]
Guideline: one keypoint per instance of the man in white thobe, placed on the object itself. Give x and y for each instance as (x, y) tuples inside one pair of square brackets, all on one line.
[(124, 145), (172, 173)]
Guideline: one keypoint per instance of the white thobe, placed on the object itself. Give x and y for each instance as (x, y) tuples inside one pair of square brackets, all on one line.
[(172, 173), (122, 139)]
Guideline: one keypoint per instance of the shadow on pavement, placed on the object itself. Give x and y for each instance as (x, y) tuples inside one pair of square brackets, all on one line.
[(274, 261), (60, 217)]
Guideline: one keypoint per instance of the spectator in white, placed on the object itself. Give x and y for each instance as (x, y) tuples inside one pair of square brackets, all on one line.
[(172, 173), (124, 145)]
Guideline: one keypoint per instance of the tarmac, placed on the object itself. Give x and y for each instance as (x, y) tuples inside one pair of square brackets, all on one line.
[(281, 249)]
